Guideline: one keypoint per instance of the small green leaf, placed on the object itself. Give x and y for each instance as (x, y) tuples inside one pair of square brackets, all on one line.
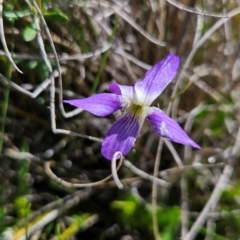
[(12, 15), (32, 64), (29, 32), (55, 15), (43, 70), (127, 207)]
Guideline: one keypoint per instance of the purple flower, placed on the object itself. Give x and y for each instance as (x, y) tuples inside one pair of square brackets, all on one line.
[(136, 101)]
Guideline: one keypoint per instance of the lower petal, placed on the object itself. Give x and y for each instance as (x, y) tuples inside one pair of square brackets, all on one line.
[(100, 104), (121, 136), (166, 127)]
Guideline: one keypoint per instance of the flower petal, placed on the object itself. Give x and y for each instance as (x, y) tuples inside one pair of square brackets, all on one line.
[(126, 91), (156, 79), (100, 105), (166, 127), (122, 135)]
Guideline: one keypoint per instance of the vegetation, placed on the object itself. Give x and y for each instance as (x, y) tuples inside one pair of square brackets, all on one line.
[(50, 152)]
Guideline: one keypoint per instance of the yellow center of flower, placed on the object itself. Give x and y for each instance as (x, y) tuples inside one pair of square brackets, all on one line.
[(136, 109)]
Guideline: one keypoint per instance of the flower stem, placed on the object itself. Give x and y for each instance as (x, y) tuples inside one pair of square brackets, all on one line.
[(154, 191)]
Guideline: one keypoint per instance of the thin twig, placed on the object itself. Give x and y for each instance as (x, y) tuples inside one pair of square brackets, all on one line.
[(184, 206), (175, 170), (3, 40), (41, 44), (211, 229), (196, 11), (84, 225), (217, 215), (68, 132), (50, 173), (21, 155), (138, 28), (217, 192), (227, 25), (183, 181), (76, 111), (198, 31), (36, 92), (83, 56), (128, 56), (145, 175), (53, 214), (206, 36), (173, 152), (115, 158), (62, 58), (154, 190), (52, 205)]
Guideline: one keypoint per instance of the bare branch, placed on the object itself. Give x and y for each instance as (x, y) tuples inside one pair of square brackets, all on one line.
[(196, 11), (145, 175), (5, 47), (216, 194)]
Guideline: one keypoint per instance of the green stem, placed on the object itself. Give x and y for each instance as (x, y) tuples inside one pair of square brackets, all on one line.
[(5, 104), (6, 91), (105, 56)]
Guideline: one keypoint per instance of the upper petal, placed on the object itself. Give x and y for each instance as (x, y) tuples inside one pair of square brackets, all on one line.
[(126, 91), (168, 128), (156, 79), (122, 135), (100, 105)]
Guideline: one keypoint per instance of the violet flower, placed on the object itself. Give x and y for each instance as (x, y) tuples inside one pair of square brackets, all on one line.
[(136, 101)]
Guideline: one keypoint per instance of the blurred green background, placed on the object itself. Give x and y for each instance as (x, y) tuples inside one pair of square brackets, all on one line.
[(98, 41)]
